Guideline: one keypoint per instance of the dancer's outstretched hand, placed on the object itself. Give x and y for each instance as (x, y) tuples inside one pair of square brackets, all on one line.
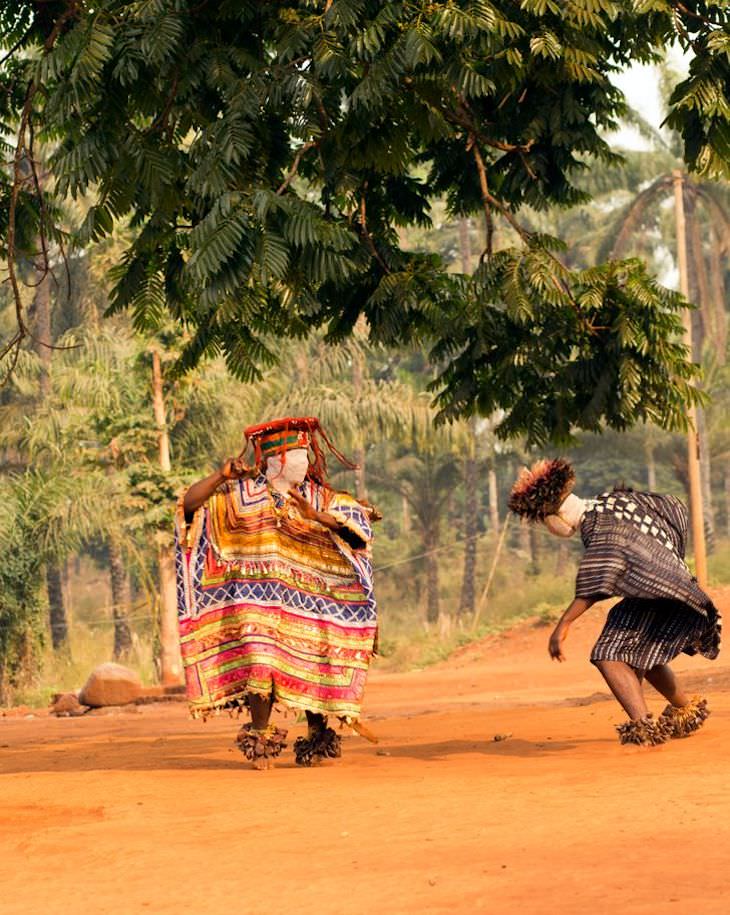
[(234, 469), (306, 509), (555, 646)]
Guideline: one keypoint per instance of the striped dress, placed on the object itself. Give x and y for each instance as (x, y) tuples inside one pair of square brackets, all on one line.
[(635, 547), (271, 603)]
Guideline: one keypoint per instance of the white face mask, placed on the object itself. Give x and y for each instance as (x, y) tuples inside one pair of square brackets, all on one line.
[(285, 471), (567, 521)]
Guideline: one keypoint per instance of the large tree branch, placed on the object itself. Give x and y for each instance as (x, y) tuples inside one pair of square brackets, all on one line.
[(484, 185), (24, 153), (295, 165), (19, 180), (681, 8), (489, 201), (367, 236)]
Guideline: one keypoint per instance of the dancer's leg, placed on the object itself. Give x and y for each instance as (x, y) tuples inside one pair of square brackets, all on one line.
[(260, 708), (663, 680), (320, 743), (626, 687), (260, 742), (315, 721)]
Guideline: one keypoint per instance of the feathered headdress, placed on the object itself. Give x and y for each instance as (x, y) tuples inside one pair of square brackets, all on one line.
[(541, 489)]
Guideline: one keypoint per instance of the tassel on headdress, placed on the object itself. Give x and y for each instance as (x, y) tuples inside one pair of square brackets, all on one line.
[(541, 489)]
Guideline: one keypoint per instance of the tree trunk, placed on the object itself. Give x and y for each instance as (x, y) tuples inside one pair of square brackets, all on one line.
[(493, 503), (706, 478), (526, 541), (40, 314), (699, 282), (158, 406), (650, 468), (535, 548), (171, 672), (406, 524), (357, 375), (41, 324), (693, 438), (464, 246), (431, 544), (471, 520), (561, 563), (717, 292), (56, 605), (301, 360), (170, 663), (120, 599)]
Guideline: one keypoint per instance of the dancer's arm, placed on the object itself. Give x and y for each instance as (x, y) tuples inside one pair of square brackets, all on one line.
[(200, 492), (577, 608), (327, 520)]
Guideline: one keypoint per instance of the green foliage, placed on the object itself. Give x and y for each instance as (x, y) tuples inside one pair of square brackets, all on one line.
[(20, 580), (700, 104), (585, 358), (20, 613), (267, 154)]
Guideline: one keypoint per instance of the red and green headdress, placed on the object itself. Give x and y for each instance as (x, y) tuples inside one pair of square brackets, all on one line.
[(278, 436), (540, 490)]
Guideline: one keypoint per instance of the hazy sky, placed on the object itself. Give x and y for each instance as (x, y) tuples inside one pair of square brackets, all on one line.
[(640, 85)]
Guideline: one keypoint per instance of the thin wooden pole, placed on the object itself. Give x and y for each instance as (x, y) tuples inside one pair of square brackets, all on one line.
[(693, 437), (158, 406), (492, 570), (170, 661)]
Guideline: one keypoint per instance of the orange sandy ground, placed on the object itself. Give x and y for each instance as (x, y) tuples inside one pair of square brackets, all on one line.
[(153, 812)]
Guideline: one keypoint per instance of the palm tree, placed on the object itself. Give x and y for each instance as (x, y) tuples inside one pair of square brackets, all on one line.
[(48, 513), (426, 480), (471, 522), (56, 436), (422, 467), (338, 384), (636, 229), (708, 236), (20, 599), (97, 422)]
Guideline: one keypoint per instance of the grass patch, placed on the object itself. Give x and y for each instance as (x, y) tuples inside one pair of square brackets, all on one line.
[(718, 563), (66, 671), (519, 590)]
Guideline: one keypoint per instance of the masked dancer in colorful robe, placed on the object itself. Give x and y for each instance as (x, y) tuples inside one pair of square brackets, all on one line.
[(275, 591), (635, 546)]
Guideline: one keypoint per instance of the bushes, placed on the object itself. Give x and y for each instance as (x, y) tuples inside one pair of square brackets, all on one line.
[(21, 630)]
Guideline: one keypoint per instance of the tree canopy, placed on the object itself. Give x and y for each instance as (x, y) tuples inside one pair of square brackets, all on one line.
[(267, 155)]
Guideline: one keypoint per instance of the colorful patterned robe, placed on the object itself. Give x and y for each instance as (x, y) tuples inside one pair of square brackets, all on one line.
[(270, 602)]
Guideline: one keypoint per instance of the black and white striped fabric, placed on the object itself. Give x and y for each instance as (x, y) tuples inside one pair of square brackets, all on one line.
[(635, 546), (662, 517), (644, 633)]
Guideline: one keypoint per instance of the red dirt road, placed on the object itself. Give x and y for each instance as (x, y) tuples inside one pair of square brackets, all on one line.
[(153, 812)]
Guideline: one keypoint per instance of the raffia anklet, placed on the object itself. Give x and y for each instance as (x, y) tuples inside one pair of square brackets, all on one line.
[(261, 746), (321, 743), (646, 732), (685, 721)]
